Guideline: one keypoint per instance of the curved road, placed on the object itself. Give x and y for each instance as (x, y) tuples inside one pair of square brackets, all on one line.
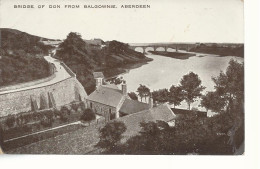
[(60, 75)]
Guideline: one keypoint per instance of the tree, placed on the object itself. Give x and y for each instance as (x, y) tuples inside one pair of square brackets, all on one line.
[(175, 95), (160, 95), (88, 115), (230, 85), (211, 101), (115, 80), (191, 87), (143, 91), (133, 96), (110, 136), (152, 139)]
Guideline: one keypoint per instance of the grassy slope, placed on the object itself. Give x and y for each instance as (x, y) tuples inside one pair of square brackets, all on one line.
[(21, 59)]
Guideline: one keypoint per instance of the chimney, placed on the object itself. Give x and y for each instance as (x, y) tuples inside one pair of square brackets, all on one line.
[(99, 78), (151, 101), (98, 82), (124, 88)]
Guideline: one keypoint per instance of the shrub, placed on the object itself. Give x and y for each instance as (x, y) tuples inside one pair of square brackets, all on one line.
[(10, 121), (88, 115), (65, 112), (82, 106), (46, 121), (75, 106)]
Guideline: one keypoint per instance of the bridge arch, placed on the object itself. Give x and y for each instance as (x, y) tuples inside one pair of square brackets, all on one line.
[(171, 49), (147, 49), (139, 49), (159, 48)]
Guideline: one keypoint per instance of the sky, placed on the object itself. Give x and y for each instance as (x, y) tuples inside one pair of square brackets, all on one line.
[(165, 21)]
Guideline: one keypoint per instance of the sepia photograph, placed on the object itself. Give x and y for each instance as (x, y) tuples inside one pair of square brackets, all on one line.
[(140, 77)]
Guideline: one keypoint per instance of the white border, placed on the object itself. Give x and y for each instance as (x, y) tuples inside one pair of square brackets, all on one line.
[(248, 161)]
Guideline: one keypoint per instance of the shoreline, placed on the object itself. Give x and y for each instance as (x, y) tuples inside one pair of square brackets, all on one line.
[(174, 55), (122, 69)]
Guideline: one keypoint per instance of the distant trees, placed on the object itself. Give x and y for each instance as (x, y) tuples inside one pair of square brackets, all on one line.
[(110, 136), (115, 80), (191, 87), (161, 95), (143, 91)]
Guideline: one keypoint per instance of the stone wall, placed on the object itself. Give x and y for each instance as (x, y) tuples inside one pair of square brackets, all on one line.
[(57, 94)]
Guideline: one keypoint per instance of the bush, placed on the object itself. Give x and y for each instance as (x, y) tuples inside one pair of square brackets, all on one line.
[(88, 115), (10, 121), (64, 114), (75, 106), (46, 121)]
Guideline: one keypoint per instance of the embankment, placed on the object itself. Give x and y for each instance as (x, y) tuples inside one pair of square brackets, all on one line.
[(51, 95)]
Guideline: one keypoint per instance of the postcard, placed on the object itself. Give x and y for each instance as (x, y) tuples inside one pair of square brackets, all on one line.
[(139, 77)]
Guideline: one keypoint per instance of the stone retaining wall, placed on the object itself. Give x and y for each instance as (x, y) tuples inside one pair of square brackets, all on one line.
[(54, 95)]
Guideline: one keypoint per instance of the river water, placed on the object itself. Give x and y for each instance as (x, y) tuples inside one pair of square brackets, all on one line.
[(163, 72)]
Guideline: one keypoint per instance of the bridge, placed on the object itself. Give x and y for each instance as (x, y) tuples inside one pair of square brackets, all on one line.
[(165, 46)]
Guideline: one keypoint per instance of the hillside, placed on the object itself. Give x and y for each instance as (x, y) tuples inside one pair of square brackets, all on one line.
[(21, 43), (20, 57), (84, 59), (220, 50)]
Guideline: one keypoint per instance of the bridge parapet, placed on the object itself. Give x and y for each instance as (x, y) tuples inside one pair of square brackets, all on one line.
[(155, 46)]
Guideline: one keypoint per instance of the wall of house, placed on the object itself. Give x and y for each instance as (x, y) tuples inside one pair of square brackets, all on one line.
[(57, 94), (102, 109)]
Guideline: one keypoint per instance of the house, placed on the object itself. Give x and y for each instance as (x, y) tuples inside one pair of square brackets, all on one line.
[(111, 102), (160, 113)]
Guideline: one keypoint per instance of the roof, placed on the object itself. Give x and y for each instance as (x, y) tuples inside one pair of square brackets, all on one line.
[(132, 106), (132, 122), (162, 112), (98, 75), (106, 95), (184, 111)]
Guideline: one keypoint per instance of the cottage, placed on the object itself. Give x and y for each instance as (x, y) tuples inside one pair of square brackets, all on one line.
[(111, 102), (160, 113)]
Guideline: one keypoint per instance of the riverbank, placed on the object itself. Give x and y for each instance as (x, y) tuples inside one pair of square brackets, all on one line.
[(113, 72), (175, 55)]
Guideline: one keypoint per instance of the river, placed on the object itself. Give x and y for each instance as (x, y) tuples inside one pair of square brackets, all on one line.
[(163, 72)]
